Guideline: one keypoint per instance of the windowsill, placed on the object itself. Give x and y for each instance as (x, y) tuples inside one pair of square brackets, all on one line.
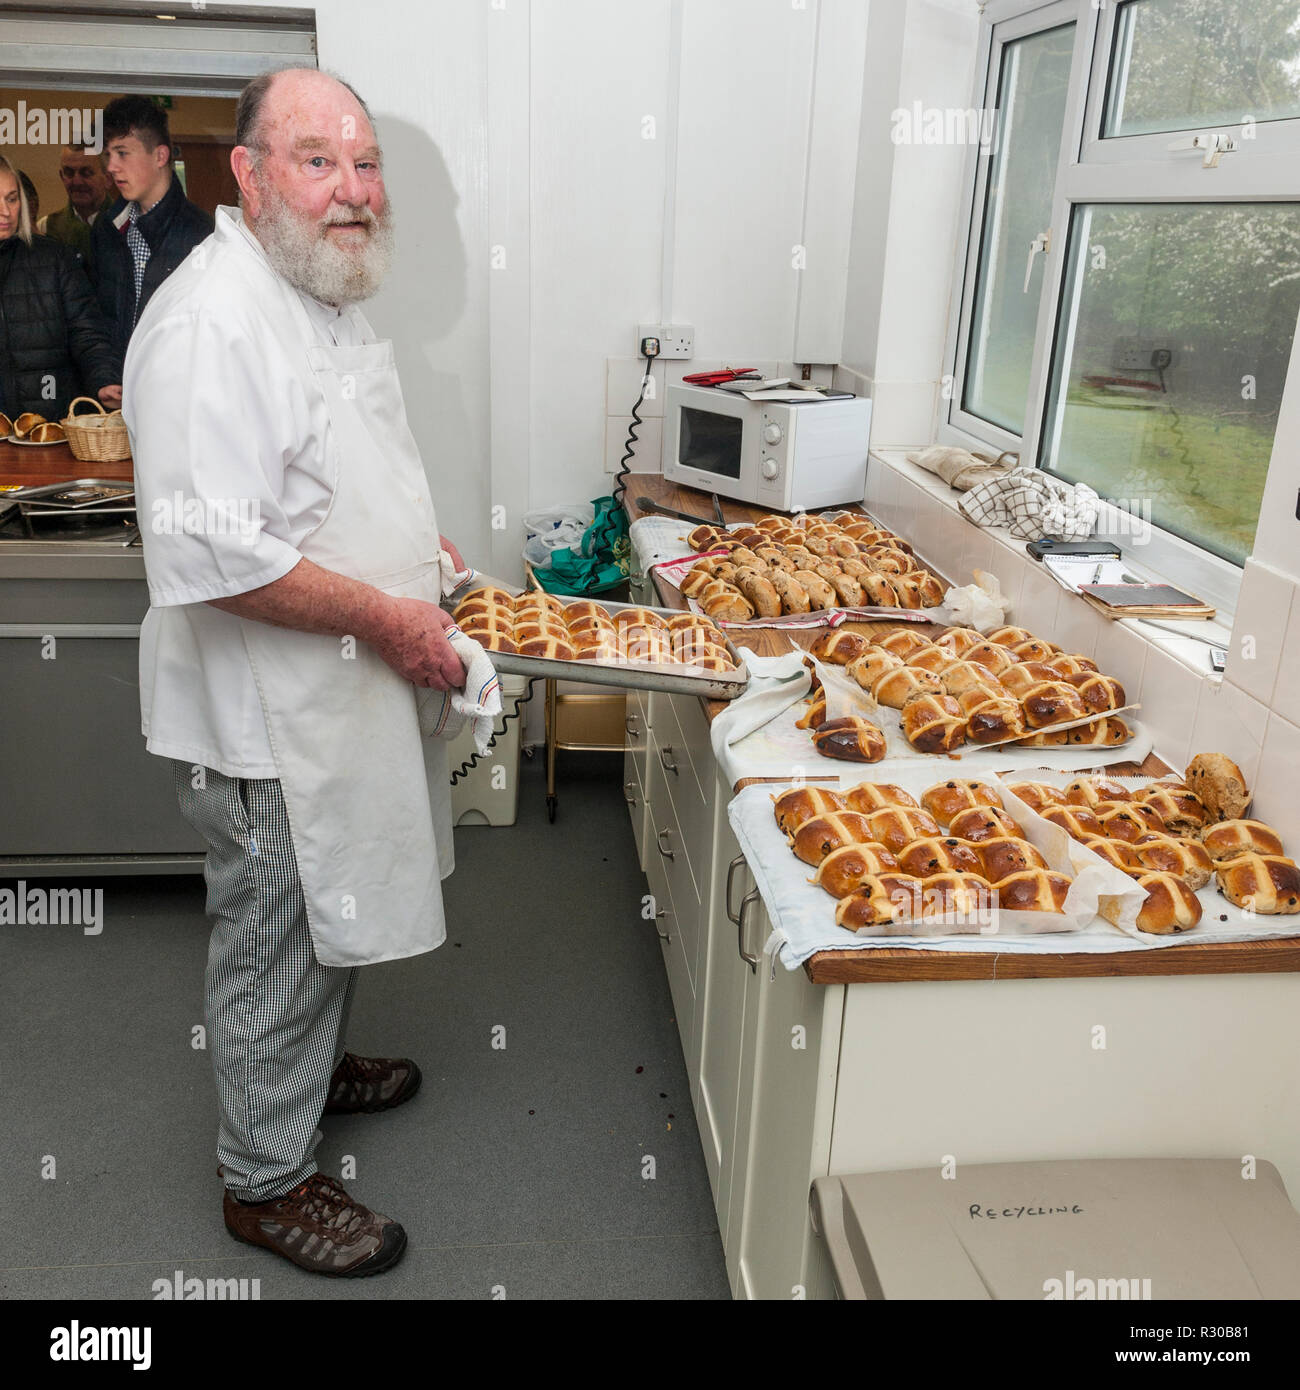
[(1185, 648)]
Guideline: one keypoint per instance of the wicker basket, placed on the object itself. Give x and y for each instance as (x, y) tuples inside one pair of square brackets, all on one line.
[(98, 438)]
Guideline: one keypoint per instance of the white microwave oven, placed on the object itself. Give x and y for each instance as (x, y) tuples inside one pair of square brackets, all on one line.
[(789, 456)]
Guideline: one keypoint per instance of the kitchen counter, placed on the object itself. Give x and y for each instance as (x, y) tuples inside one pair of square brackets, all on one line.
[(93, 800), (986, 1058), (896, 964), (29, 465)]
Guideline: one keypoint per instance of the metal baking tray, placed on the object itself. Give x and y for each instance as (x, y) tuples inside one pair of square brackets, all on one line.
[(103, 494), (711, 685)]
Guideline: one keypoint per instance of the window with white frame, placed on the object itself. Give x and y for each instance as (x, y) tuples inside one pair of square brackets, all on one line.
[(1130, 281)]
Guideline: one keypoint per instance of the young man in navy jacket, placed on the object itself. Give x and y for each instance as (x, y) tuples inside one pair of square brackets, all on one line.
[(142, 237)]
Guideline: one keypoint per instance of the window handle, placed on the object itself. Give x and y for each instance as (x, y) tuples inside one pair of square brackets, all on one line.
[(1042, 242), (1211, 143)]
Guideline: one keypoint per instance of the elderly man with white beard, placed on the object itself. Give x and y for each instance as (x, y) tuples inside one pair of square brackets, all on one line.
[(286, 640)]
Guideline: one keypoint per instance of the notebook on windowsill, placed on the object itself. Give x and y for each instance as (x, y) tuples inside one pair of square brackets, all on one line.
[(1145, 600)]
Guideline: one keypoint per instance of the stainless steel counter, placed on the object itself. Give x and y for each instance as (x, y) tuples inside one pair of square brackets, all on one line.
[(78, 792)]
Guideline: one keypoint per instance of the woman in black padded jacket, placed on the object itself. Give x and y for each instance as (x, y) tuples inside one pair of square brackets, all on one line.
[(54, 341)]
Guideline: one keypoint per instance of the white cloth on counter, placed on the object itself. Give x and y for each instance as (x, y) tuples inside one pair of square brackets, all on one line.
[(775, 684), (1033, 504), (443, 713), (656, 538), (803, 914)]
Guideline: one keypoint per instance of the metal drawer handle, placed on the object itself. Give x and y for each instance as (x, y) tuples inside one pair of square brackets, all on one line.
[(663, 758), (731, 874), (627, 724), (751, 961), (627, 793), (659, 840), (662, 935)]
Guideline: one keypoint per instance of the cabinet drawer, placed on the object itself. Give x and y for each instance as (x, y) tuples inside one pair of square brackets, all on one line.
[(675, 944), (676, 770), (634, 795), (664, 843)]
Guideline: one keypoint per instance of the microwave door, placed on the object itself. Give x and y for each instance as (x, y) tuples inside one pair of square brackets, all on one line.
[(710, 442)]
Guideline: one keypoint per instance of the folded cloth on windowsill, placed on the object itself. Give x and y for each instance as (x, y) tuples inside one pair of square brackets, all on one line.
[(1032, 504), (960, 468)]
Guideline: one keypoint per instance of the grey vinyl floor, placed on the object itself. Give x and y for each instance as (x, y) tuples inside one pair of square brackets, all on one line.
[(517, 1171)]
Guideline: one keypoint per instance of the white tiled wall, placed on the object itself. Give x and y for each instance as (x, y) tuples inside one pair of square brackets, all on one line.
[(1252, 714)]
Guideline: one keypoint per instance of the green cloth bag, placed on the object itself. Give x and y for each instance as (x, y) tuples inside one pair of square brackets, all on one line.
[(600, 561)]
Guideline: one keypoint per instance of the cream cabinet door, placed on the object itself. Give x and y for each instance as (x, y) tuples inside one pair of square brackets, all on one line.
[(790, 1059), (722, 1013)]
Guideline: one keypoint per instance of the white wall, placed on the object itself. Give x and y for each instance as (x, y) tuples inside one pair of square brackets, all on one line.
[(421, 69), (519, 124), (905, 221)]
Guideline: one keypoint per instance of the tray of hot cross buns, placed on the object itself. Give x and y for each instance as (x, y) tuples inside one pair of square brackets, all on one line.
[(1112, 861), (534, 633)]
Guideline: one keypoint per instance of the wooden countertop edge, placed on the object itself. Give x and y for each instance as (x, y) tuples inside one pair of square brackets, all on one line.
[(889, 964)]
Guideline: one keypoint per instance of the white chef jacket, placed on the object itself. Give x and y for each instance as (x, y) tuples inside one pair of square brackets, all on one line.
[(222, 405)]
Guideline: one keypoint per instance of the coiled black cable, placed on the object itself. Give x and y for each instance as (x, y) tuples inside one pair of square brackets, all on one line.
[(473, 760), (629, 451)]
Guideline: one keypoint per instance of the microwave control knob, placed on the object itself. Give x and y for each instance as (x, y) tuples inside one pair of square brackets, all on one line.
[(772, 434), (771, 468)]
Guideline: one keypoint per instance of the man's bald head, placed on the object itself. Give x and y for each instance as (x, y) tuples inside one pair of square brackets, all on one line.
[(255, 110)]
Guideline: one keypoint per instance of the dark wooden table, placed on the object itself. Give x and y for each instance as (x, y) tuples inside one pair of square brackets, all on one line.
[(27, 465), (899, 964)]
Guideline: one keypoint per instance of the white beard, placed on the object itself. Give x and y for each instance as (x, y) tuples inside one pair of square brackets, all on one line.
[(313, 262)]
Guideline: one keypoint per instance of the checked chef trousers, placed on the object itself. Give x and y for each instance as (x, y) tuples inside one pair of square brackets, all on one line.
[(275, 1016)]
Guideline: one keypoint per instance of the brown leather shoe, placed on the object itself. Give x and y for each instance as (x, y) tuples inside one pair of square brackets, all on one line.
[(363, 1085), (320, 1228)]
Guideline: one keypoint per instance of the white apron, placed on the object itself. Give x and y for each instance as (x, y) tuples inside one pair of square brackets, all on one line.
[(344, 729)]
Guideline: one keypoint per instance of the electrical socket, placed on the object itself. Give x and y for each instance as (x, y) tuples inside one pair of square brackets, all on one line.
[(675, 339)]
